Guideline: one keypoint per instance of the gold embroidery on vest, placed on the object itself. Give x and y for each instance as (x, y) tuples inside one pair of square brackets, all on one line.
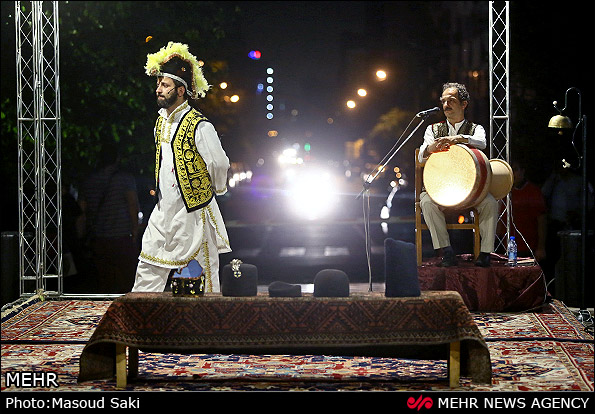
[(158, 126), (191, 170), (192, 175)]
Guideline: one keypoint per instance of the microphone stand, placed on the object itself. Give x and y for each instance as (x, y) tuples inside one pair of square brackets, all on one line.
[(368, 182)]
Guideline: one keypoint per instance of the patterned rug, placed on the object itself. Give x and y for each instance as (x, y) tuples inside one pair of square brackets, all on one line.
[(543, 351)]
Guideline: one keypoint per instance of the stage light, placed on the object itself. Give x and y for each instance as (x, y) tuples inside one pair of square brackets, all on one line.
[(350, 104), (311, 195), (362, 92), (223, 85), (381, 75), (234, 98)]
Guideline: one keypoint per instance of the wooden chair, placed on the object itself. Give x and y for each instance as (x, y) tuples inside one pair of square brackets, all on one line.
[(419, 225)]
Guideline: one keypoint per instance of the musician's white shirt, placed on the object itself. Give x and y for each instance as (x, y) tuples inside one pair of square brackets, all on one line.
[(477, 140)]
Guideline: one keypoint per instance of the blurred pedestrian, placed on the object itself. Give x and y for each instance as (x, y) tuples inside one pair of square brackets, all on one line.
[(110, 208), (529, 215)]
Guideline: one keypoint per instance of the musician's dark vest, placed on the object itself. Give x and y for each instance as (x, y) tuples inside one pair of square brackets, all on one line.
[(441, 129), (191, 171)]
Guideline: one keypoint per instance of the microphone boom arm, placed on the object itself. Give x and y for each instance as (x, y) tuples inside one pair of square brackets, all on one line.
[(368, 182)]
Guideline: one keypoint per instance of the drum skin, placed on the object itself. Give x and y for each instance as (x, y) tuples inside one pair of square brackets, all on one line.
[(458, 178)]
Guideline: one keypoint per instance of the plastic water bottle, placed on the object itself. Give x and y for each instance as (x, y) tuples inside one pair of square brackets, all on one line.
[(512, 252)]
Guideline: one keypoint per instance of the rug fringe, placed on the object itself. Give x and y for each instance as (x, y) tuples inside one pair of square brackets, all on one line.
[(10, 309)]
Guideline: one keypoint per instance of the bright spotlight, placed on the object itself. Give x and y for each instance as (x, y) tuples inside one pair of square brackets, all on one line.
[(350, 104), (312, 195), (381, 75)]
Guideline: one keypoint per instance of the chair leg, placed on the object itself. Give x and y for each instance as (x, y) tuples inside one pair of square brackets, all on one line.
[(418, 246)]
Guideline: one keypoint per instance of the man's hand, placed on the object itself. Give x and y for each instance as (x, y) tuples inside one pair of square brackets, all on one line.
[(444, 143)]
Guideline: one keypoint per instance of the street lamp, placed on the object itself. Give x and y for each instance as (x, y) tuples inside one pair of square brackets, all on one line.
[(561, 122)]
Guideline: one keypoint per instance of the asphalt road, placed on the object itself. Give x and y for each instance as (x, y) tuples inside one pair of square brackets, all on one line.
[(288, 248)]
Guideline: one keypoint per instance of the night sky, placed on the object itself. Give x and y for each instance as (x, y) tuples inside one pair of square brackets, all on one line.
[(551, 49)]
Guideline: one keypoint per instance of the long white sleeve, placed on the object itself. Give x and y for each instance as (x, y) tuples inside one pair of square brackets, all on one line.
[(209, 147)]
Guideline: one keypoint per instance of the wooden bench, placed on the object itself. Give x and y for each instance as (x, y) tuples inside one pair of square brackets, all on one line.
[(433, 326)]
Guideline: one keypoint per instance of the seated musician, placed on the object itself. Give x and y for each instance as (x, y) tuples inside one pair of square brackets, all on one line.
[(439, 137)]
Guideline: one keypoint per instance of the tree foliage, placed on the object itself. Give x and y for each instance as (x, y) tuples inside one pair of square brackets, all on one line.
[(105, 94)]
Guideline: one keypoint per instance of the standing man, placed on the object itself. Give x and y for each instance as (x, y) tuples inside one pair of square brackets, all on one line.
[(439, 137), (190, 169)]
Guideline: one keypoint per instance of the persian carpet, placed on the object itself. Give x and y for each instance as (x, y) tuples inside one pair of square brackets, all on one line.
[(539, 351)]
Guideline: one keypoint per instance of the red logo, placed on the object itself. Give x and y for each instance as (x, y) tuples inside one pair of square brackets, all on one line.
[(420, 403)]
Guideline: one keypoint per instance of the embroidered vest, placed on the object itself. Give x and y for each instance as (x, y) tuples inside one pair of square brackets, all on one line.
[(440, 129), (191, 171)]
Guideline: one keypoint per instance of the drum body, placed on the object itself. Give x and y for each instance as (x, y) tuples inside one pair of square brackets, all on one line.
[(502, 178), (458, 178)]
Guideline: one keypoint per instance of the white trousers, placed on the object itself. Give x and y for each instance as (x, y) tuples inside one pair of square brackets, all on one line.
[(152, 278), (434, 218)]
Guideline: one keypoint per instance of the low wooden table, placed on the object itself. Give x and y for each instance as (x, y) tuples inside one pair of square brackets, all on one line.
[(435, 326)]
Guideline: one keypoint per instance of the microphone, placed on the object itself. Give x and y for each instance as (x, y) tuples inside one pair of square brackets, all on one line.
[(427, 112)]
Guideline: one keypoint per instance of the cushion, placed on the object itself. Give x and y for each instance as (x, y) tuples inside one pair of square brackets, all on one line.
[(282, 289), (331, 283), (242, 283), (400, 269)]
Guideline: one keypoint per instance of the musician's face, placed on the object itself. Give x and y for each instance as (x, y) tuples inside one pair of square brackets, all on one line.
[(453, 107)]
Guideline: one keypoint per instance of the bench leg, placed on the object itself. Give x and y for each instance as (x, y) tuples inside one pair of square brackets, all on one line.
[(120, 366), (454, 364)]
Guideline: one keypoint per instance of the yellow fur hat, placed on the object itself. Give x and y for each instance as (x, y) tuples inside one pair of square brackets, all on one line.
[(175, 61)]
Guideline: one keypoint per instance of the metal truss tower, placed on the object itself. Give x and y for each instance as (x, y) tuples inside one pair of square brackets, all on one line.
[(39, 147), (499, 37)]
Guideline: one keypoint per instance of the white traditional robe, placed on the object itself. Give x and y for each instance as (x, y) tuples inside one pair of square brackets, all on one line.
[(173, 235)]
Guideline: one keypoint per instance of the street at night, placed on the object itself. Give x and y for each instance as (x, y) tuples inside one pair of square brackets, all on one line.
[(298, 197), (306, 99)]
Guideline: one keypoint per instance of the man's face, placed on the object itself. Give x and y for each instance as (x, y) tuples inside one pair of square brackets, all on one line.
[(166, 92), (453, 108)]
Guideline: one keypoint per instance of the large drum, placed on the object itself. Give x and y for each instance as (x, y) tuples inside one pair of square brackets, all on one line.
[(458, 178)]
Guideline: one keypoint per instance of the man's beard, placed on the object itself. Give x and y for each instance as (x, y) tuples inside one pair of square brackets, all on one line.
[(166, 102)]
